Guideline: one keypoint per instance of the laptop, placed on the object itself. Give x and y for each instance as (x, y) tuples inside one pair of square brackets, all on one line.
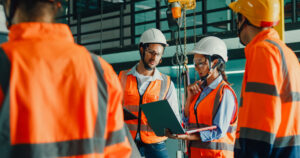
[(161, 116)]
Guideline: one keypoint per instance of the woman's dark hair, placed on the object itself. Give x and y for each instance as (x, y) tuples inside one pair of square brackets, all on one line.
[(220, 67)]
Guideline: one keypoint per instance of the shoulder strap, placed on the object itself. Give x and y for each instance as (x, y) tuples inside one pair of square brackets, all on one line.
[(165, 86), (286, 93)]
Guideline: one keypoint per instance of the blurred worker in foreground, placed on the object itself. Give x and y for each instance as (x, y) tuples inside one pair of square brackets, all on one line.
[(269, 121), (56, 99), (210, 101), (142, 84)]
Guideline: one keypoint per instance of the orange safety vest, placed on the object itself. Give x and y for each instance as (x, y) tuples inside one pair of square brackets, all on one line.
[(156, 90), (206, 111), (56, 99), (269, 122)]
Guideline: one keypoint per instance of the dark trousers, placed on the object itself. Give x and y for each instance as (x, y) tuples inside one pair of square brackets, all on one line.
[(157, 150)]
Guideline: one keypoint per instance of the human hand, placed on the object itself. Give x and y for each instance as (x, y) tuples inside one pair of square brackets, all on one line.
[(194, 89), (194, 136)]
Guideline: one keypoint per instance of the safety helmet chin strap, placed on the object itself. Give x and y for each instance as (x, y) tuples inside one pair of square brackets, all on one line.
[(204, 78)]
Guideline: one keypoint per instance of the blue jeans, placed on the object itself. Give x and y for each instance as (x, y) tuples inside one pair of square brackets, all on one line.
[(157, 150)]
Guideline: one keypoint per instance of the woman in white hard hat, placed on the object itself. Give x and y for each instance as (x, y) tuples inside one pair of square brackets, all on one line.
[(210, 102)]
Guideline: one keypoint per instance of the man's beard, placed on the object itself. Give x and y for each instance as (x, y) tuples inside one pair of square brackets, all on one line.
[(146, 66)]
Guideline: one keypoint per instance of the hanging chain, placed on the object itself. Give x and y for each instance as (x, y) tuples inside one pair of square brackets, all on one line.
[(184, 19), (195, 27)]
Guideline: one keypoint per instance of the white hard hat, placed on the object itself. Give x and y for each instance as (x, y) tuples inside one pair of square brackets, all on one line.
[(211, 46), (153, 36)]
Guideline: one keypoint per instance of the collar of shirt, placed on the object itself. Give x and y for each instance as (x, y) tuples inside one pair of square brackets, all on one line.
[(261, 36), (216, 82), (156, 75)]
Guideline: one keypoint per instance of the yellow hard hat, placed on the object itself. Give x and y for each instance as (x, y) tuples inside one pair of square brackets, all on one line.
[(260, 13)]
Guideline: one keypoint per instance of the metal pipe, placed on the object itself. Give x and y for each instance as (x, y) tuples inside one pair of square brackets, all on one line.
[(158, 14), (204, 17)]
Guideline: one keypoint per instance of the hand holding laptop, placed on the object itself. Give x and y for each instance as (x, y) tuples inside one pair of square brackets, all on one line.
[(192, 136), (189, 135)]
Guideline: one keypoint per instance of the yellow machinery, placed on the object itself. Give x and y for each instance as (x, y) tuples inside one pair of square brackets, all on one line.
[(177, 5), (280, 26)]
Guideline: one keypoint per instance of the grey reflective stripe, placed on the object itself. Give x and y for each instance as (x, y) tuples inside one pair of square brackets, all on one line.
[(132, 108), (270, 138), (116, 137), (255, 134), (4, 71), (284, 66), (164, 87), (59, 149), (286, 93), (194, 125), (262, 88), (212, 145), (231, 129), (134, 150), (295, 96), (102, 98), (217, 101), (287, 141), (124, 79), (133, 127)]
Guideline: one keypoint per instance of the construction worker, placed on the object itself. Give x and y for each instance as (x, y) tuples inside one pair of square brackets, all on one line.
[(210, 101), (142, 84), (56, 99), (269, 122)]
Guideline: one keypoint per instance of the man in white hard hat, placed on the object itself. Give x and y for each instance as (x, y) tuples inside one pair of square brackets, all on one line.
[(142, 84)]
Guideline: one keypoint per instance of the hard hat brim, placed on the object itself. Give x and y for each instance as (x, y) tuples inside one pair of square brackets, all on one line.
[(234, 6), (197, 52)]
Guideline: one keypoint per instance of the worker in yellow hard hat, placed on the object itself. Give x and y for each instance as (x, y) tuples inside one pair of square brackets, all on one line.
[(269, 122)]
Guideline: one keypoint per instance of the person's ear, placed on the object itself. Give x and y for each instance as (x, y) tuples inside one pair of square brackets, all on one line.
[(215, 63)]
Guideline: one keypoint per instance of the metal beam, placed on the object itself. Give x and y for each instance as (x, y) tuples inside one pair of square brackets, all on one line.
[(233, 54), (158, 6)]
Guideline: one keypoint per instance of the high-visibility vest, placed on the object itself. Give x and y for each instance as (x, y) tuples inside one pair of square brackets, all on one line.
[(156, 90), (269, 122), (203, 117), (57, 100)]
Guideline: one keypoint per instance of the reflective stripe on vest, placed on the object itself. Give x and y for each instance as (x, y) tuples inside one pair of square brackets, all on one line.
[(212, 145), (77, 147), (156, 90), (259, 135), (286, 94), (133, 127)]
